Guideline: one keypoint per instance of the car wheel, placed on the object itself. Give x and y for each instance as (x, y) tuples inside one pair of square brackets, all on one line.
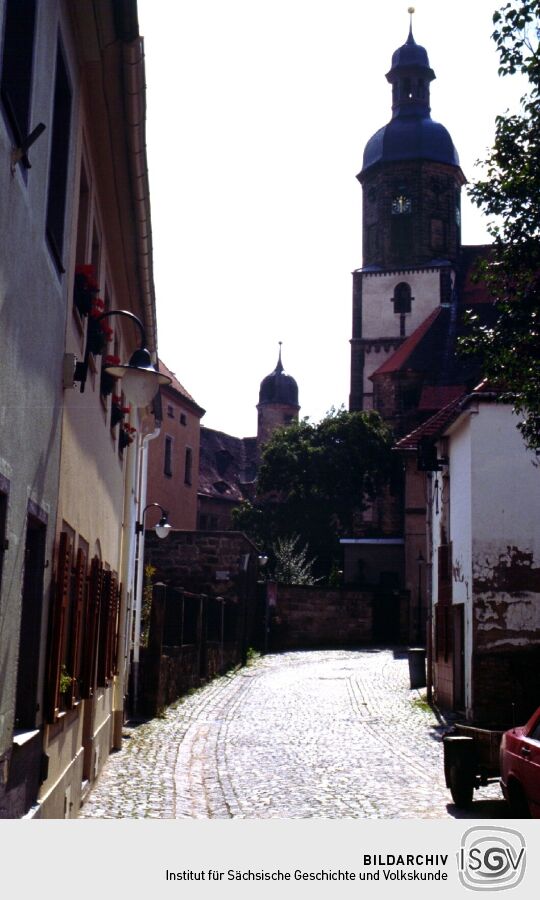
[(518, 801), (461, 786)]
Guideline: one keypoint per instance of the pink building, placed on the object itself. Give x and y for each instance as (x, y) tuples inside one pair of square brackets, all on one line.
[(173, 457)]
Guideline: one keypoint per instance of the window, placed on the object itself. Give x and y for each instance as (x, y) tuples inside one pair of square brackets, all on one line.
[(167, 462), (183, 419), (4, 490), (58, 163), (170, 412), (438, 236), (188, 466), (401, 235), (372, 240), (83, 217), (402, 298), (16, 79), (30, 628), (402, 303)]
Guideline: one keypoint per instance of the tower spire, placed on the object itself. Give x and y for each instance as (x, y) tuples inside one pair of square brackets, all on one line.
[(411, 11), (279, 367)]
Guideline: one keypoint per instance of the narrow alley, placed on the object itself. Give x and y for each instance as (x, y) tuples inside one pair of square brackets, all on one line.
[(327, 734)]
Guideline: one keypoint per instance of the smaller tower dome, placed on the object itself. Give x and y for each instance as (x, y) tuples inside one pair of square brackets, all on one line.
[(279, 387), (278, 402)]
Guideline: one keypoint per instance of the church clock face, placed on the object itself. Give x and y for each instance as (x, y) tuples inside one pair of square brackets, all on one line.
[(401, 205)]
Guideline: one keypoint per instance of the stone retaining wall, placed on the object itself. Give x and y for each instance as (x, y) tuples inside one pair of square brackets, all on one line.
[(308, 616)]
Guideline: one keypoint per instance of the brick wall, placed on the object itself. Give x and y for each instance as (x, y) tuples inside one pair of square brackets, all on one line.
[(197, 567), (316, 616), (207, 562)]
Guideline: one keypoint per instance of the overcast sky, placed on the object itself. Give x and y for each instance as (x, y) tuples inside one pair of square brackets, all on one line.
[(258, 114)]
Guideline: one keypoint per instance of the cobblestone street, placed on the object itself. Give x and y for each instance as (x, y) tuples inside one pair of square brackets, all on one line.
[(328, 734)]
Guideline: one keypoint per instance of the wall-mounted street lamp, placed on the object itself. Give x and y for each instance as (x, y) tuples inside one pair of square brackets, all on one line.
[(162, 527), (140, 380)]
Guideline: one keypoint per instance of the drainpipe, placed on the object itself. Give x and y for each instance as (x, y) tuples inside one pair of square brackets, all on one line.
[(139, 560), (126, 579)]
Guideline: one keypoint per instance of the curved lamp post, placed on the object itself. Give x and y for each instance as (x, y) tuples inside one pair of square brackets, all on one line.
[(140, 380), (161, 528)]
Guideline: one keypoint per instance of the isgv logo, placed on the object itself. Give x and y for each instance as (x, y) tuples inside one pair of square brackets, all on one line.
[(491, 859)]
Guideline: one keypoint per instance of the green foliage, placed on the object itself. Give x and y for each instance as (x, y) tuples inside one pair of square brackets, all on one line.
[(314, 479), (65, 680), (509, 192), (291, 565), (149, 572)]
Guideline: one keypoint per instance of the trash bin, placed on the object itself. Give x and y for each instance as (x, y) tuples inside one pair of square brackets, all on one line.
[(417, 666)]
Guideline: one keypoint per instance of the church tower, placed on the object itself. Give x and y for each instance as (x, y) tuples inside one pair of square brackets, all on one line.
[(278, 402), (411, 183)]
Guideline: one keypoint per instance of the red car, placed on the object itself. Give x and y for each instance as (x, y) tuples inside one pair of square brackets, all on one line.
[(520, 768)]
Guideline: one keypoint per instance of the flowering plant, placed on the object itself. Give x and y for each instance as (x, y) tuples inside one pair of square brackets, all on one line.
[(127, 433), (118, 411), (84, 289)]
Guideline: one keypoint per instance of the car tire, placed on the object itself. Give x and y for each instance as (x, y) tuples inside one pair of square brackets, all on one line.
[(461, 786), (518, 801)]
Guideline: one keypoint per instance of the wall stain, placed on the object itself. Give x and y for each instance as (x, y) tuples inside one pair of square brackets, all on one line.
[(514, 574)]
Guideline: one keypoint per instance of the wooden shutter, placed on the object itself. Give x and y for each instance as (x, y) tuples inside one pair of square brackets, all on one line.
[(60, 600), (74, 662), (112, 628), (104, 625), (91, 628)]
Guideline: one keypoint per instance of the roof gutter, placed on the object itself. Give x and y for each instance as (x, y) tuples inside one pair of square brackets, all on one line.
[(135, 98)]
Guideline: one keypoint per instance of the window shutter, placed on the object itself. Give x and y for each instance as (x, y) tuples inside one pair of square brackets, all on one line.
[(91, 628), (104, 626), (112, 629), (59, 605), (74, 663)]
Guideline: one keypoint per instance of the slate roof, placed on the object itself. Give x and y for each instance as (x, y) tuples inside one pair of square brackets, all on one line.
[(228, 465), (411, 133), (279, 387)]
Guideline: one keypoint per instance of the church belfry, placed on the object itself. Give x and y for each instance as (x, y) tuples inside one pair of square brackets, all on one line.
[(411, 237)]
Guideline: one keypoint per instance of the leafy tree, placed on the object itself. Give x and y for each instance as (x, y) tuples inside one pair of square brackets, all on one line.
[(314, 479), (509, 191)]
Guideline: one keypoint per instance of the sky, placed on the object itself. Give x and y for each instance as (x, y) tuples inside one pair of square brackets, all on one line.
[(257, 117)]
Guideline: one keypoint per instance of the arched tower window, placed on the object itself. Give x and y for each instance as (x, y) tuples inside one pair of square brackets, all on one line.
[(402, 300)]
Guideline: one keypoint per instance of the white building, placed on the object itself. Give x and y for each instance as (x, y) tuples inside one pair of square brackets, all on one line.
[(483, 523)]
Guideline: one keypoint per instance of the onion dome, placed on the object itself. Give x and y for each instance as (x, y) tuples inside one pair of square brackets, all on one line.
[(279, 387), (411, 133)]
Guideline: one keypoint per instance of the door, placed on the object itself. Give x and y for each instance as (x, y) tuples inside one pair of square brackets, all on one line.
[(459, 656)]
